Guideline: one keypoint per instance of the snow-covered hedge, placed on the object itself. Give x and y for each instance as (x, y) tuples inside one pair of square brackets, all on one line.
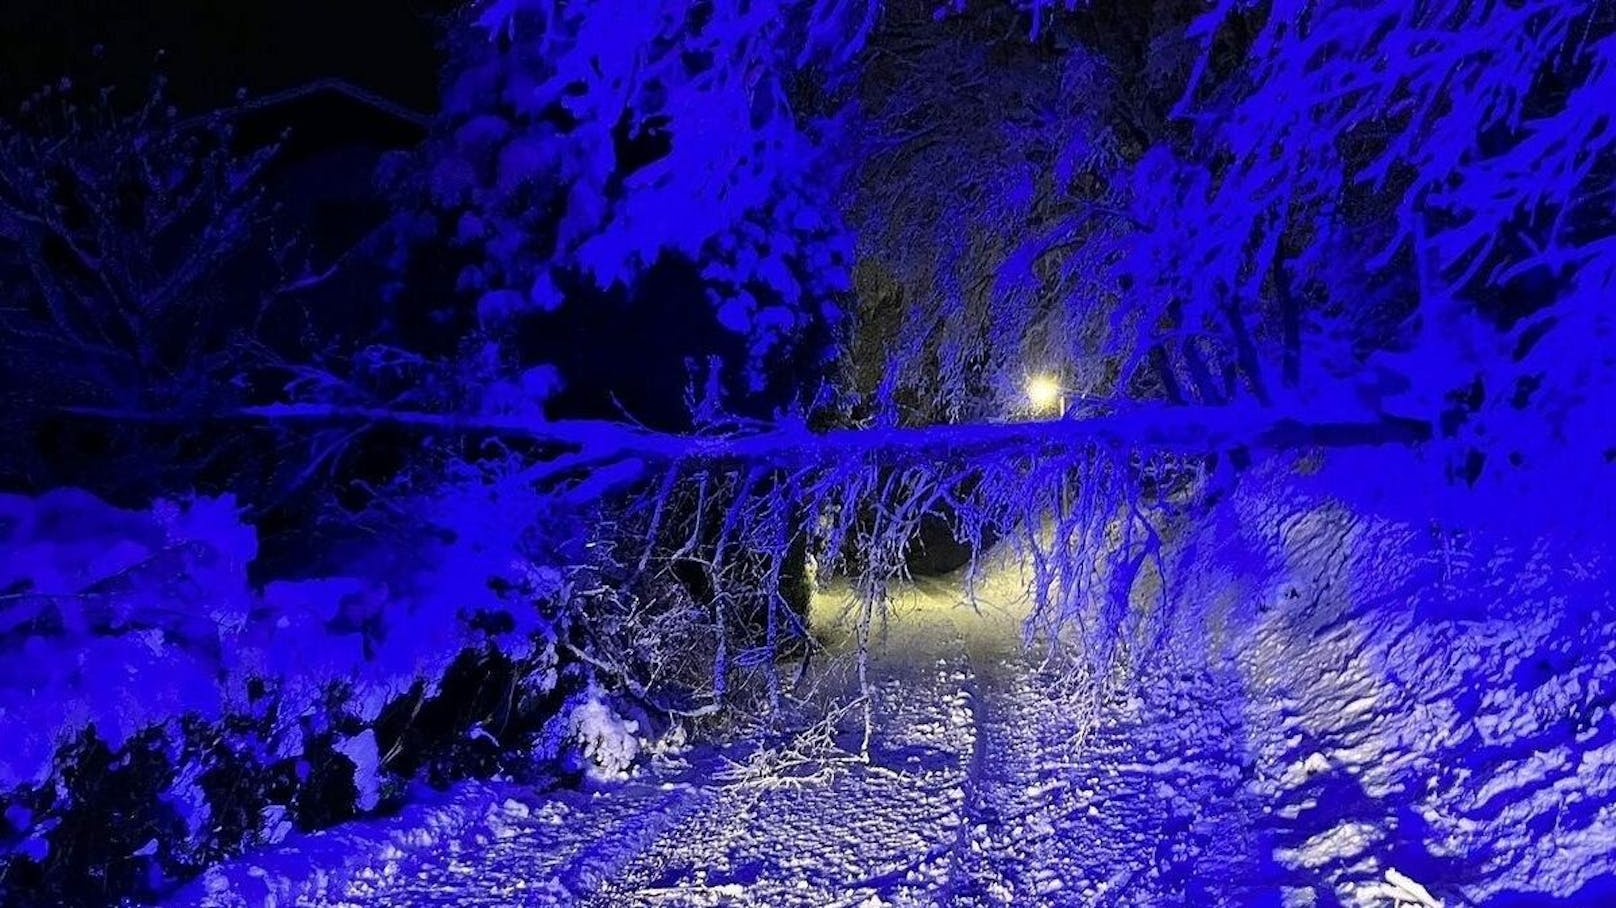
[(158, 713)]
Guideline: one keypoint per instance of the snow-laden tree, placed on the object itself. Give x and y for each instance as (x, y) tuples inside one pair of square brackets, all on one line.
[(1404, 207), (141, 270), (1372, 224), (986, 188), (123, 230), (581, 144), (1388, 208)]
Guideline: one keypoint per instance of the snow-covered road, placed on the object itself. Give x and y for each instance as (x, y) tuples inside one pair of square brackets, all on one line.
[(990, 783), (1335, 709)]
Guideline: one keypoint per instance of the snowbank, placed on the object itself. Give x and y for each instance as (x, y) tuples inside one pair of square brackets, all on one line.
[(1425, 699), (113, 619), (156, 713)]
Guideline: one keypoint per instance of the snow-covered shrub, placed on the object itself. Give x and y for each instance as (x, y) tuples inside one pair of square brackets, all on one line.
[(592, 736), (607, 741), (116, 620), (158, 714)]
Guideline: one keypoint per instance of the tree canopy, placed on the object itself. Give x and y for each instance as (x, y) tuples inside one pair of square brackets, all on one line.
[(1384, 212)]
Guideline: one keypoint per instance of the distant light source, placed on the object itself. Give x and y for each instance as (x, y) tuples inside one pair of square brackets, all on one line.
[(1044, 391)]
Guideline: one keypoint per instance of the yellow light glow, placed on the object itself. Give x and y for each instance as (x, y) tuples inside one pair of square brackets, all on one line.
[(1044, 392)]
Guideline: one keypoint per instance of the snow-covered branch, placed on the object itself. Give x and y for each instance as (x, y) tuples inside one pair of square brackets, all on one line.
[(1166, 429)]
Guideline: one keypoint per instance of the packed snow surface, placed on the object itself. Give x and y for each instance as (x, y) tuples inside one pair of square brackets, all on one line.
[(1333, 709)]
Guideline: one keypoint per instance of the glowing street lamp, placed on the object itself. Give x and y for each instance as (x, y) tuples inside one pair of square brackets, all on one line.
[(1045, 393)]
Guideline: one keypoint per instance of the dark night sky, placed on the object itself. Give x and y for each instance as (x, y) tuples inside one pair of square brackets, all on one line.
[(210, 49), (214, 47)]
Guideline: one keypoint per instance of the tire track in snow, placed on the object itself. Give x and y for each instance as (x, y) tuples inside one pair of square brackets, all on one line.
[(962, 852), (885, 831), (483, 844), (1013, 855)]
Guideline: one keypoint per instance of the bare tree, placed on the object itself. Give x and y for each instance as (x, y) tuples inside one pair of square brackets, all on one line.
[(130, 240)]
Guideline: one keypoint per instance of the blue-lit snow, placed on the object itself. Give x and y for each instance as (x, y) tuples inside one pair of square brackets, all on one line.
[(1341, 708)]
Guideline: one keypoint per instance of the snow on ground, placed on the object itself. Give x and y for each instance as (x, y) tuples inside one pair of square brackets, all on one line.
[(1424, 706), (977, 794), (1343, 710)]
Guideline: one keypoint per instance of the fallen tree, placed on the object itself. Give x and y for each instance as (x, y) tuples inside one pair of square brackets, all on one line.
[(1085, 500), (596, 442)]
